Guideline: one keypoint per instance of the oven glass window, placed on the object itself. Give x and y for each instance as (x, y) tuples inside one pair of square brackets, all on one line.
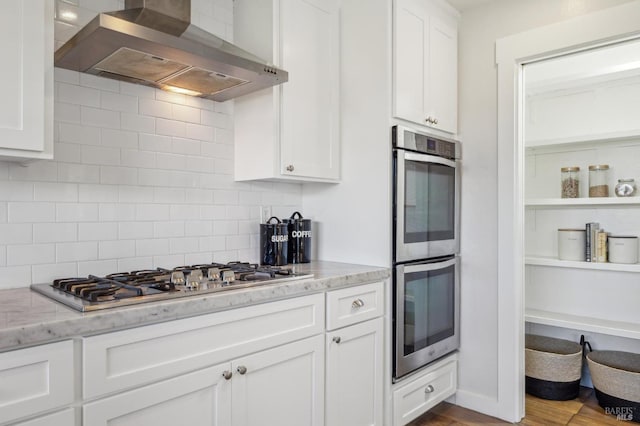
[(429, 308), (429, 202)]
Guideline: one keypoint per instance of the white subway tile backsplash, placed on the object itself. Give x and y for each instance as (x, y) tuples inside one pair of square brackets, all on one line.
[(152, 247), (78, 95), (15, 276), (116, 249), (137, 123), (97, 193), (30, 254), (155, 143), (31, 212), (111, 212), (99, 117), (168, 229), (119, 102), (184, 245), (141, 177), (185, 113), (75, 252), (76, 212), (48, 273), (100, 155), (97, 267), (185, 146), (155, 108), (79, 134), (135, 263), (135, 230), (69, 113), (198, 228), (16, 191), (101, 83), (55, 192), (55, 232), (119, 138), (15, 233), (199, 132), (171, 127), (118, 175), (66, 153), (97, 231)]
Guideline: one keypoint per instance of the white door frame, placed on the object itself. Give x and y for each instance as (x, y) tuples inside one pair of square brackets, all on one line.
[(598, 28)]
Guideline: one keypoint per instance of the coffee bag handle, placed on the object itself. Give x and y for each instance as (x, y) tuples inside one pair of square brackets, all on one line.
[(293, 216), (273, 217)]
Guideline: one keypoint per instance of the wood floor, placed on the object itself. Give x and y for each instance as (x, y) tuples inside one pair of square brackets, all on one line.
[(582, 411)]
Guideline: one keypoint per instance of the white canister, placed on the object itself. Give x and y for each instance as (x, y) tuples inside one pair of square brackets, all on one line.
[(571, 244), (623, 249)]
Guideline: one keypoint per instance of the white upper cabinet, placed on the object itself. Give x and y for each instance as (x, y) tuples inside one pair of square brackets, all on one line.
[(26, 108), (290, 131), (425, 63)]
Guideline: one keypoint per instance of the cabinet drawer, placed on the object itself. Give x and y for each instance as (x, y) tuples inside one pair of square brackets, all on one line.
[(354, 304), (35, 379), (415, 398), (62, 418), (138, 356)]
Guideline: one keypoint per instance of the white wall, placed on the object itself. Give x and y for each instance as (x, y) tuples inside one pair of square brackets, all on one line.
[(479, 29), (141, 178)]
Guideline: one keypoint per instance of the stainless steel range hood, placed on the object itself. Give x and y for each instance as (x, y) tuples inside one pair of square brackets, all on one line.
[(152, 42)]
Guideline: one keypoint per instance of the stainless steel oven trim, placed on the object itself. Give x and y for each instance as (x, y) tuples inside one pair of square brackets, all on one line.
[(414, 251), (406, 364), (402, 143)]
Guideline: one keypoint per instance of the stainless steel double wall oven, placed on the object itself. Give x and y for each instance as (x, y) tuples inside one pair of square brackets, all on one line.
[(426, 244)]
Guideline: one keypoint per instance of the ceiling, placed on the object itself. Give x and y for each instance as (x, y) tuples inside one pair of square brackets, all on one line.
[(463, 5)]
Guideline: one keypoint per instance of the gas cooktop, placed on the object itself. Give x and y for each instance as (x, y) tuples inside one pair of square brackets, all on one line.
[(127, 288)]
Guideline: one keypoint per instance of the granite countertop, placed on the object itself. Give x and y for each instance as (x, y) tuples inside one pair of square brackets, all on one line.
[(28, 318)]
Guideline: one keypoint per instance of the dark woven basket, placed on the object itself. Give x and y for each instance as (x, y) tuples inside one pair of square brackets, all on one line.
[(553, 367), (616, 380)]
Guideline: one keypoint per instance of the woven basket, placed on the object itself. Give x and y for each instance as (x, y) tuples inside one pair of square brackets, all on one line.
[(553, 367), (616, 380)]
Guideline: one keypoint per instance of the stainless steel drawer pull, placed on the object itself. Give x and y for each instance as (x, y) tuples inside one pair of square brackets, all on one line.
[(429, 389), (242, 369), (358, 303), (337, 339), (290, 168), (227, 374)]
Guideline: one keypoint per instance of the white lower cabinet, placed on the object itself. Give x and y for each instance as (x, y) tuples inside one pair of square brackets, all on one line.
[(355, 375), (201, 398), (281, 386), (36, 380), (415, 396), (61, 418)]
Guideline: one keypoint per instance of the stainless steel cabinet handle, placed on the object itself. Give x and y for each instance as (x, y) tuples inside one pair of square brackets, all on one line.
[(337, 339), (358, 303), (435, 121), (242, 369), (290, 168), (429, 120), (227, 374), (429, 389)]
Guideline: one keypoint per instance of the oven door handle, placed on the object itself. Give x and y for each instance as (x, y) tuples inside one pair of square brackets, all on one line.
[(429, 266), (422, 158)]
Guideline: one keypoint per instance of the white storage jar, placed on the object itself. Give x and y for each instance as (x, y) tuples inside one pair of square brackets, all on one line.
[(571, 244), (623, 249)]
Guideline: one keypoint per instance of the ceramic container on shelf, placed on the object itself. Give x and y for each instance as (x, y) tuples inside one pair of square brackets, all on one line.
[(623, 249), (571, 244)]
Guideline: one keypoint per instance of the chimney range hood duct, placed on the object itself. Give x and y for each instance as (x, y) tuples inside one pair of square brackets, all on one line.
[(152, 42)]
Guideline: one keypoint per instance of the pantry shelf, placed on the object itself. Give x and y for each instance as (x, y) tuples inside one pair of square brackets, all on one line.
[(595, 325), (554, 262), (577, 202)]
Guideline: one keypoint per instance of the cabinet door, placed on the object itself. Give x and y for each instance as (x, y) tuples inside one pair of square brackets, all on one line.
[(443, 75), (410, 61), (201, 398), (26, 107), (283, 386), (309, 121), (62, 418), (354, 375)]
